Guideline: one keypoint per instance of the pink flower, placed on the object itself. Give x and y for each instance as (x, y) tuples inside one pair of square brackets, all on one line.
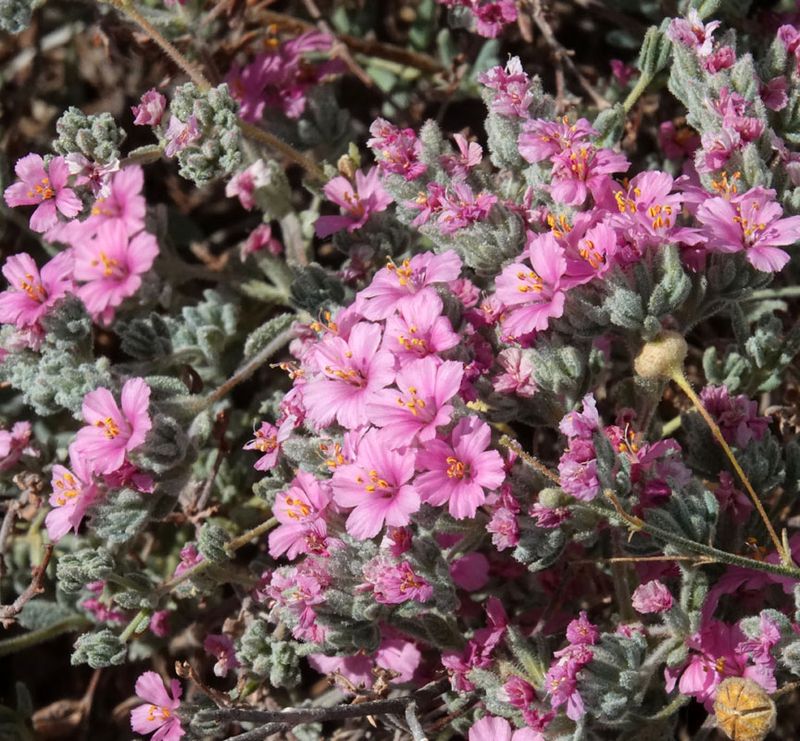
[(112, 264), (418, 329), (582, 424), (357, 203), (74, 491), (96, 176), (469, 155), (43, 187), (190, 557), (351, 373), (221, 647), (543, 139), (300, 511), (376, 486), (518, 376), (112, 432), (31, 293), (652, 597), (13, 444), (158, 714), (396, 150), (774, 94), (751, 222), (395, 285), (420, 406), (460, 471), (713, 658), (512, 96), (180, 135), (731, 500), (723, 58), (395, 583), (261, 239), (150, 109), (159, 623), (581, 170), (504, 528), (533, 295), (124, 202), (693, 33), (492, 728), (462, 208), (492, 16), (622, 72), (268, 441), (737, 416), (245, 183)]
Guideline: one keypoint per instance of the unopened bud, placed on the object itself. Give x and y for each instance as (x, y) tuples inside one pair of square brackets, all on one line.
[(662, 357)]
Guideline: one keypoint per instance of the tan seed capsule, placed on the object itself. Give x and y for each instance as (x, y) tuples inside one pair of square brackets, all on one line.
[(744, 711)]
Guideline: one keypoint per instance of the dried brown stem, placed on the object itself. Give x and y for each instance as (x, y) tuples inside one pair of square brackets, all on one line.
[(8, 613)]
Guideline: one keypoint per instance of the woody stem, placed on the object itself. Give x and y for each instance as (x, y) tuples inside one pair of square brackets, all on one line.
[(687, 389), (127, 8)]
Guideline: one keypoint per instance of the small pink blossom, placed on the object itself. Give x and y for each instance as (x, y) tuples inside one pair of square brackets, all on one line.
[(261, 239), (221, 647), (419, 405), (737, 416), (492, 728), (542, 138), (111, 265), (158, 713), (395, 583), (511, 87), (357, 202), (461, 208), (584, 169), (518, 375), (652, 597), (159, 623), (267, 440), (13, 443), (31, 292), (774, 94), (395, 285), (396, 150), (693, 33), (180, 135), (418, 329), (111, 431), (492, 16), (351, 373), (74, 491), (300, 511), (750, 222), (244, 184), (504, 528), (190, 557), (377, 486), (95, 176), (150, 110), (459, 472), (44, 187), (622, 72), (123, 202), (533, 294), (469, 155)]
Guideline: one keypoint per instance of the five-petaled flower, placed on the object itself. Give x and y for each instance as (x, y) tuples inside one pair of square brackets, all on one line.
[(158, 713)]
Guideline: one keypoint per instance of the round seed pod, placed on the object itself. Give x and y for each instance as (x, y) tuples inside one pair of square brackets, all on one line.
[(661, 357), (743, 709)]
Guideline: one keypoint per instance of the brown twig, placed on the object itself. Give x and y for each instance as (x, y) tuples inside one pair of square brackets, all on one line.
[(5, 530), (8, 613), (339, 49), (532, 461), (368, 47), (562, 55)]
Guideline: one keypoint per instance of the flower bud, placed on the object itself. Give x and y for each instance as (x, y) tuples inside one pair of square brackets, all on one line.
[(662, 357)]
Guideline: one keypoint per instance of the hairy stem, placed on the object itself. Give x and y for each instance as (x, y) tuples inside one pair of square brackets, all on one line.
[(32, 638)]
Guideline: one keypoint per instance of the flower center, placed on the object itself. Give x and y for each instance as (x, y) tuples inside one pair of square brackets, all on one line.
[(42, 190), (110, 265), (589, 252), (355, 206), (67, 489), (348, 375), (416, 344), (411, 402), (456, 469), (529, 281), (109, 427), (154, 709), (375, 482), (751, 228), (297, 508), (661, 216), (265, 443), (403, 272), (34, 290), (410, 581)]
